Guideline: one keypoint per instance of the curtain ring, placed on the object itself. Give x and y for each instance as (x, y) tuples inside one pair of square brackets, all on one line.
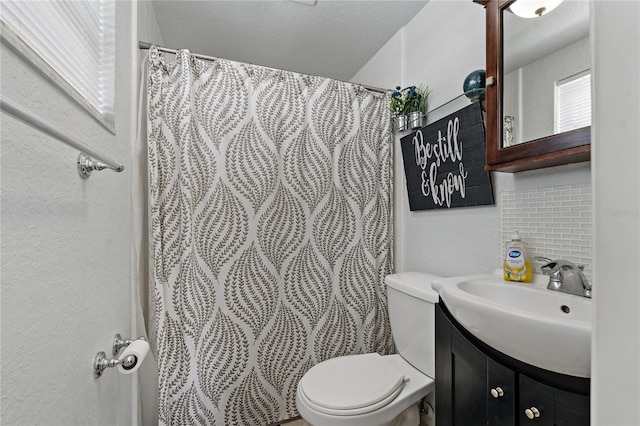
[(153, 52)]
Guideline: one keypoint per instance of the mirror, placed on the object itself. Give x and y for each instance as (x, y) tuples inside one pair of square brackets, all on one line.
[(546, 84), (534, 138)]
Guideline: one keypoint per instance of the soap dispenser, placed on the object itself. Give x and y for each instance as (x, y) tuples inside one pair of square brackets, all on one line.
[(515, 267)]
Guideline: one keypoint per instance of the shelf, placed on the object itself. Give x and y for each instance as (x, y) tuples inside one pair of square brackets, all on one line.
[(479, 93), (469, 95)]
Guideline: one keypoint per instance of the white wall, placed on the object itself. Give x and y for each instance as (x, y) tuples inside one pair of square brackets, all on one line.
[(148, 29), (615, 362), (65, 252), (439, 47)]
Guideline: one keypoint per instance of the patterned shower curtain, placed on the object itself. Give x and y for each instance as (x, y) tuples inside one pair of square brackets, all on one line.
[(270, 201)]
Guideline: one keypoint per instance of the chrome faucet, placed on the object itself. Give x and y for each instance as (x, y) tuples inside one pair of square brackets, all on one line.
[(566, 277)]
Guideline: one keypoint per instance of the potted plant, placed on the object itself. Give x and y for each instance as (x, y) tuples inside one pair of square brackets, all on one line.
[(408, 106)]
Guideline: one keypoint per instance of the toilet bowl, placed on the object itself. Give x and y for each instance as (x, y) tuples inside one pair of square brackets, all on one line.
[(362, 390), (375, 390)]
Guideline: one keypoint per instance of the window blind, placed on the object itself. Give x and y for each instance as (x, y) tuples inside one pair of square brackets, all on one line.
[(573, 102), (75, 41)]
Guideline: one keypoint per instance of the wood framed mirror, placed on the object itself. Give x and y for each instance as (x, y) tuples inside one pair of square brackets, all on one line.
[(512, 53)]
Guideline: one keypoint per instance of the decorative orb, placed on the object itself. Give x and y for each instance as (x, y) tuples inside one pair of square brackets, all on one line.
[(475, 80)]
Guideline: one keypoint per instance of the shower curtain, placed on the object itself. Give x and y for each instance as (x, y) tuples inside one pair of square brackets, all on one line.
[(270, 204)]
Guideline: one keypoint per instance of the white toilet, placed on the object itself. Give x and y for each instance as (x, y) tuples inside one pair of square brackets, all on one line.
[(374, 390)]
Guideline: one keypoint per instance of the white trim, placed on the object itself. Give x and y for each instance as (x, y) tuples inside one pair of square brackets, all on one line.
[(135, 109)]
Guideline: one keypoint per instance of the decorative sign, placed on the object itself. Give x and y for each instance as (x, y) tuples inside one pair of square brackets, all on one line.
[(444, 162)]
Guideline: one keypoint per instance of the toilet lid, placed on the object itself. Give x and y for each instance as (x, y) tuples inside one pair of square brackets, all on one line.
[(352, 384)]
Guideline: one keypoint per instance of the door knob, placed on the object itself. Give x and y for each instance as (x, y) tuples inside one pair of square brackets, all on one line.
[(497, 392), (532, 413)]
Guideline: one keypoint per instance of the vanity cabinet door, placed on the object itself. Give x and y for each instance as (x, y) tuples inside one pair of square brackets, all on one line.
[(465, 378), (484, 389), (571, 409), (501, 393), (444, 370), (556, 407), (536, 403), (470, 396)]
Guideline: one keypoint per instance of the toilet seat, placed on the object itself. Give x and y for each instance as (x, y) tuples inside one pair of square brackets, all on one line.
[(351, 385)]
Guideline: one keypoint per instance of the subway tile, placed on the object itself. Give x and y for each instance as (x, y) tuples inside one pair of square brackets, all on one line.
[(553, 221), (553, 246), (580, 255)]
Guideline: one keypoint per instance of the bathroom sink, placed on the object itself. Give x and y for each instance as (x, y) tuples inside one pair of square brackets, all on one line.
[(545, 328)]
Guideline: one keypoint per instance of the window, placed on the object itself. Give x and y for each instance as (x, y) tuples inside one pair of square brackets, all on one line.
[(72, 43), (573, 102)]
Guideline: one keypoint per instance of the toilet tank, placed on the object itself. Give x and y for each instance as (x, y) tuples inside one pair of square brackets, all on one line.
[(411, 302)]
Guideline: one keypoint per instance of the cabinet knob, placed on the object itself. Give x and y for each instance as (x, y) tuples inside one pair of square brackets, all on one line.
[(532, 413), (497, 392)]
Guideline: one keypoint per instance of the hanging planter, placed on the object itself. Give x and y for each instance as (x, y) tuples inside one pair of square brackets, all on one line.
[(400, 123), (416, 120), (408, 107)]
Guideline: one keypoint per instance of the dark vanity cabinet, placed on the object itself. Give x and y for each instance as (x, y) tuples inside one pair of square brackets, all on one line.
[(477, 385)]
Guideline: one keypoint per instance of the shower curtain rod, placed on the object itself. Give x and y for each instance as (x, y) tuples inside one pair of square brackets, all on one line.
[(146, 45)]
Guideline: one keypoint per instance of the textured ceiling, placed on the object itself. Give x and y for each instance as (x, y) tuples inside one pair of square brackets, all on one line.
[(331, 39)]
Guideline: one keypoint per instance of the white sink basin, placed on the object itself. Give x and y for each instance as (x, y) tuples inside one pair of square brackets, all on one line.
[(541, 327)]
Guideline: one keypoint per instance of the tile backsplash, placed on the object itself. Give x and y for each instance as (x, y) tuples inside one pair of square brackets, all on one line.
[(554, 222)]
